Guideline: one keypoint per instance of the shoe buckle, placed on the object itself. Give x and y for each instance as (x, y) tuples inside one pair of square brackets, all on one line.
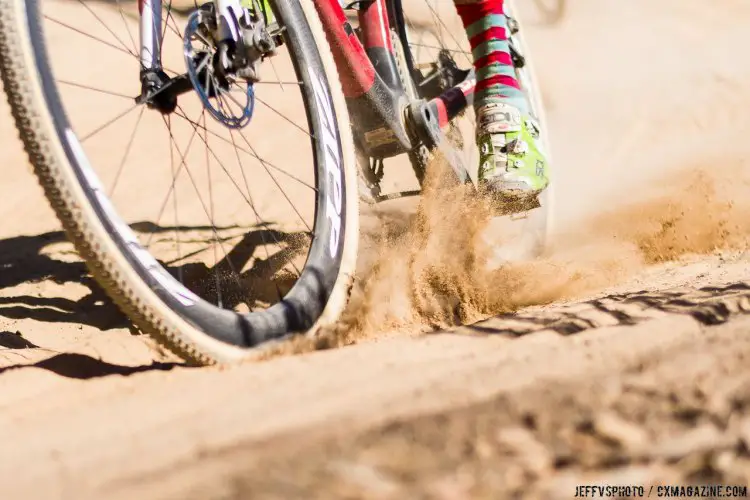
[(519, 147), (532, 127)]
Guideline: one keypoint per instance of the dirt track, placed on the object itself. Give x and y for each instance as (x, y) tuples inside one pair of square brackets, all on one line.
[(634, 372)]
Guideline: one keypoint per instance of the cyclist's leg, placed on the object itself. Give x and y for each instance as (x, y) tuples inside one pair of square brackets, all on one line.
[(511, 163)]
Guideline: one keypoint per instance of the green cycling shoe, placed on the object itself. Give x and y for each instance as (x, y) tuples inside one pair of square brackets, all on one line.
[(513, 168)]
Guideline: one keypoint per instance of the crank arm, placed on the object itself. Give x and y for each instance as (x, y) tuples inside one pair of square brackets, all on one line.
[(424, 122), (396, 196)]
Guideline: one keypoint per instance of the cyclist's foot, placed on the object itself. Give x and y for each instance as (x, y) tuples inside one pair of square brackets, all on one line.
[(512, 165)]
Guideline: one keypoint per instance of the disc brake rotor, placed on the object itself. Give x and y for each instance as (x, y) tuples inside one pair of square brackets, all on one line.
[(232, 109)]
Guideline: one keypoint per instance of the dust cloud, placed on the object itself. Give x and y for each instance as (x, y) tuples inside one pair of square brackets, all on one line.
[(431, 269)]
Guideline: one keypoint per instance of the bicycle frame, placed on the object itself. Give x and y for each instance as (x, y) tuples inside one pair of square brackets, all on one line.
[(386, 124)]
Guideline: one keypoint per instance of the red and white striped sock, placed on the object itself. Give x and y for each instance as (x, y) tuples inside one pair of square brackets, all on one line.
[(487, 29)]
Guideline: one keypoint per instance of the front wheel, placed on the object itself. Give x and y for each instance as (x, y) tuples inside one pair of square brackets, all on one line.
[(216, 240)]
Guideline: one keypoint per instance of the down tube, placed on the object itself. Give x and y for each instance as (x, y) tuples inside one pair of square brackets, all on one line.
[(355, 69)]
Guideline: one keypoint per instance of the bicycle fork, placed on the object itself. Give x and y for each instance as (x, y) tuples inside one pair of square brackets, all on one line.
[(150, 34)]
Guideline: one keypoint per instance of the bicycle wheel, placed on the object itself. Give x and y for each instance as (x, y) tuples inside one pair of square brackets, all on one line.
[(438, 57), (216, 237)]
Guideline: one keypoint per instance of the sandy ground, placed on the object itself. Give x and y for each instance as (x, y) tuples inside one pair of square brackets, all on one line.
[(620, 357)]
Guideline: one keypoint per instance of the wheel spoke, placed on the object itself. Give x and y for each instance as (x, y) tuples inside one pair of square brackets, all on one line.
[(258, 219), (252, 205), (91, 11), (283, 116), (239, 189), (180, 275), (442, 23), (222, 260), (195, 185), (250, 153), (275, 181), (125, 155), (127, 28), (94, 89), (108, 123), (120, 49), (175, 173), (217, 280)]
